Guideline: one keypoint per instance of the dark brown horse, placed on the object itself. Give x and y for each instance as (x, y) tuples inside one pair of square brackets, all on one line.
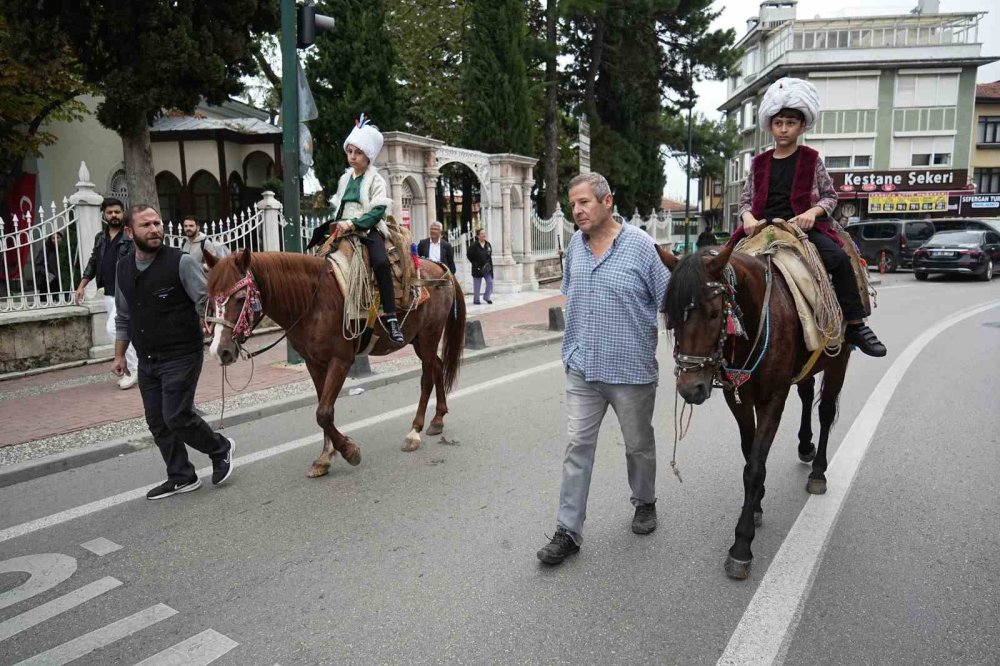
[(300, 294), (701, 295)]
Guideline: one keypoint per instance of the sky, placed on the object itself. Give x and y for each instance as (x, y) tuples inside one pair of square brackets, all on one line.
[(735, 13)]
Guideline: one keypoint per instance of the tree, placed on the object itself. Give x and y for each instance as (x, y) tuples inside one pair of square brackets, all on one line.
[(145, 56), (495, 82), (33, 91), (351, 71), (712, 142), (550, 154), (430, 36)]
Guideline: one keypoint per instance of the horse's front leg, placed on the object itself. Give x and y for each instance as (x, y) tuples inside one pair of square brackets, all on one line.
[(754, 473), (743, 412), (807, 391), (333, 440)]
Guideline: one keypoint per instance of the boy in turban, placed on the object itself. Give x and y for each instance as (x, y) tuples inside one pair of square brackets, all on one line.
[(791, 182)]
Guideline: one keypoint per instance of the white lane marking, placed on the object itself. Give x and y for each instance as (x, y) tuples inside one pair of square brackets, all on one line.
[(768, 623), (100, 546), (50, 609), (108, 502), (894, 286), (78, 647), (46, 570), (198, 650)]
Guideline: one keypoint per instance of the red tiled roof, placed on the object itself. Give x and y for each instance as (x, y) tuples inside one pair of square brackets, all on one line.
[(673, 206), (988, 90)]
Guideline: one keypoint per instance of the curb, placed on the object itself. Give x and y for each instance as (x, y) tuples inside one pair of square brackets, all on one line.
[(60, 462)]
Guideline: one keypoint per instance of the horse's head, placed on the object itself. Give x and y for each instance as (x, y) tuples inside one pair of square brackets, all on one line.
[(696, 307), (234, 304)]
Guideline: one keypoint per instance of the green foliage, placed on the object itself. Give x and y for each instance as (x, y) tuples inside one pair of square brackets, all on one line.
[(351, 71), (712, 141), (495, 83), (33, 91)]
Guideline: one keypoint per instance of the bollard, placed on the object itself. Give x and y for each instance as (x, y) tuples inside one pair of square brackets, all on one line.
[(474, 338), (557, 320), (361, 367)]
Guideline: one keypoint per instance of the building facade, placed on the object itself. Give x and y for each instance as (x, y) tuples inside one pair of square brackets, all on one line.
[(897, 96), (986, 153)]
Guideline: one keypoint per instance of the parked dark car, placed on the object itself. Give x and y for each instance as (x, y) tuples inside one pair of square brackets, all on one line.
[(890, 244), (969, 252)]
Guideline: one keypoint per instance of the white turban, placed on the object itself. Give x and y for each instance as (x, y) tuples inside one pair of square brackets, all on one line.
[(366, 137), (789, 93)]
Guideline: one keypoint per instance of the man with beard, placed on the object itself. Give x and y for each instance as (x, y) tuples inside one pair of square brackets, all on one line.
[(110, 245), (195, 242), (160, 297)]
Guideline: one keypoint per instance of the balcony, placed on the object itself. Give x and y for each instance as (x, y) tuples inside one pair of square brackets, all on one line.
[(878, 40)]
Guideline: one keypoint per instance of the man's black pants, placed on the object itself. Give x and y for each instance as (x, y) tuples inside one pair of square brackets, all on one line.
[(167, 387), (380, 266), (838, 264)]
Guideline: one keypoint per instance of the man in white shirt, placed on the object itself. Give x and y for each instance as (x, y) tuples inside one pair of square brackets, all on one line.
[(437, 249), (195, 242)]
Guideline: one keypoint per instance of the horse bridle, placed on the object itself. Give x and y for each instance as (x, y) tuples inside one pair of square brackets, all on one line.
[(250, 315), (691, 363)]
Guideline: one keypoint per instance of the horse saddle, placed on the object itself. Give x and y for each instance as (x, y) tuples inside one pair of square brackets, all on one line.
[(350, 265), (798, 261)]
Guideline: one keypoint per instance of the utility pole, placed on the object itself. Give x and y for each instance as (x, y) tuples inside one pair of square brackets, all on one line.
[(687, 199)]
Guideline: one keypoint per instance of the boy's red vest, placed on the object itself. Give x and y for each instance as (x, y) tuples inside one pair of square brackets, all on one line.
[(803, 183)]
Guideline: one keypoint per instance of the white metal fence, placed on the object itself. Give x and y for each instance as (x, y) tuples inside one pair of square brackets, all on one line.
[(244, 229), (550, 237), (41, 260)]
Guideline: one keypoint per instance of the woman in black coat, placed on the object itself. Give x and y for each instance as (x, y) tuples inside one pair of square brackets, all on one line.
[(480, 255)]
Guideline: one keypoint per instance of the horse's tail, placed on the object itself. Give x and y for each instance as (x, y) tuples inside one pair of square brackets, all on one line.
[(454, 338)]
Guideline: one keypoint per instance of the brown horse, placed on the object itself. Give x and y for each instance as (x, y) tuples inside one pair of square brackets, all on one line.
[(301, 295), (702, 297)]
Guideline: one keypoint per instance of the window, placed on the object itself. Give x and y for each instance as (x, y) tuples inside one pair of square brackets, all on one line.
[(863, 161), (989, 129), (845, 153), (847, 93), (927, 151), (919, 231), (838, 162), (205, 196), (168, 191), (926, 90), (992, 238), (987, 180), (878, 231)]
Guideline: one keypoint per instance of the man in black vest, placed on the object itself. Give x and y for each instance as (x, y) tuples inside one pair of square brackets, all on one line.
[(161, 293)]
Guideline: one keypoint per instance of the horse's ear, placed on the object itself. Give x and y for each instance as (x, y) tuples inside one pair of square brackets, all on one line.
[(716, 263), (210, 259), (669, 260), (243, 260)]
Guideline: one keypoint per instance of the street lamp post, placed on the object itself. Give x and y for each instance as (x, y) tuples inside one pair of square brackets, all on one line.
[(290, 140)]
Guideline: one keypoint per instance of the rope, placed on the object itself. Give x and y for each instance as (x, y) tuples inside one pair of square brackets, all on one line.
[(680, 432), (360, 296), (225, 380)]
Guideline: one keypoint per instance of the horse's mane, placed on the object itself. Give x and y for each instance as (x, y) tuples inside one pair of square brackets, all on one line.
[(687, 282), (285, 277)]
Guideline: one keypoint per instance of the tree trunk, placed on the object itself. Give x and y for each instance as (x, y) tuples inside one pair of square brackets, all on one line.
[(139, 168), (551, 109)]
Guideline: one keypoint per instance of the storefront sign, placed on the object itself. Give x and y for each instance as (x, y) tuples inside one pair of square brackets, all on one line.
[(905, 181), (920, 202), (980, 204)]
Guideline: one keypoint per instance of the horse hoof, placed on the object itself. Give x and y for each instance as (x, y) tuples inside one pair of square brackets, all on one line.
[(816, 486), (317, 470), (353, 458), (737, 569), (412, 441), (808, 457), (435, 428), (758, 518)]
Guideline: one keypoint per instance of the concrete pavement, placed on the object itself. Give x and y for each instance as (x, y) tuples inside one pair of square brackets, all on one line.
[(429, 557)]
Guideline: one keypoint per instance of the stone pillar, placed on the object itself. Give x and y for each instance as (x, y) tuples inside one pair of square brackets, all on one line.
[(271, 209), (396, 183), (507, 274), (88, 223), (430, 206), (528, 271), (526, 211), (505, 222)]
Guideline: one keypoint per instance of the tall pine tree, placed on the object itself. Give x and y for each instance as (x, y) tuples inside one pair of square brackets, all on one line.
[(351, 70), (498, 116)]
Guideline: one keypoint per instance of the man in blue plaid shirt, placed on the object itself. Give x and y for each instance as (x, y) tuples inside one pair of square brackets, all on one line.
[(614, 283)]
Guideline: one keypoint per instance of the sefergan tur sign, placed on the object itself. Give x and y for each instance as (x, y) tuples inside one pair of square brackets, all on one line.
[(900, 181)]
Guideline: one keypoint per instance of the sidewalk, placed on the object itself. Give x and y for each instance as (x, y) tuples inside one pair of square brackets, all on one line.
[(64, 401)]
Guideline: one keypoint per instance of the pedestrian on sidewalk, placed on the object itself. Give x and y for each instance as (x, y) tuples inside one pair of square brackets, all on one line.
[(110, 245), (614, 283), (437, 249), (196, 243), (160, 299), (480, 255)]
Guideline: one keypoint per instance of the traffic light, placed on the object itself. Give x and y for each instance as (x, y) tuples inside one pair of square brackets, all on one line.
[(310, 24)]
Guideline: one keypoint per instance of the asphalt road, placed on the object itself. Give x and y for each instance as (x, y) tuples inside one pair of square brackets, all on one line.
[(429, 557)]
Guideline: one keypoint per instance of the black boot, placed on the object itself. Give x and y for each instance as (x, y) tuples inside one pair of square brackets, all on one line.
[(559, 548), (395, 332), (864, 339)]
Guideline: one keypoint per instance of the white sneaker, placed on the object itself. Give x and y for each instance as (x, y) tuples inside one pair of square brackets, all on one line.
[(128, 380)]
